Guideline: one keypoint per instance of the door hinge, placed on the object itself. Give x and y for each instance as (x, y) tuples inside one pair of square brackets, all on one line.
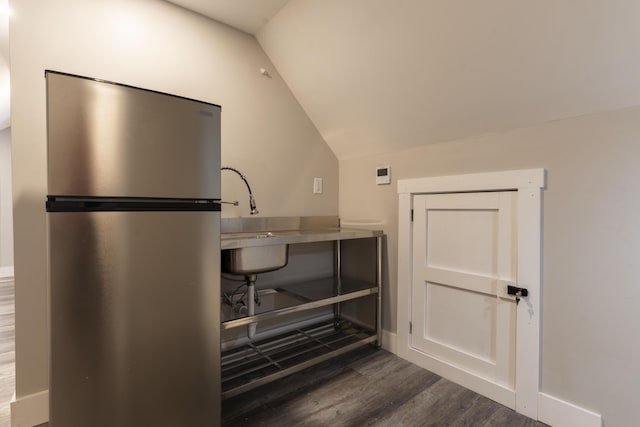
[(410, 327), (411, 215)]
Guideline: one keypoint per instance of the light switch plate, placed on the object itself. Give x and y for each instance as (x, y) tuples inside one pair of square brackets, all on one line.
[(317, 185), (383, 175)]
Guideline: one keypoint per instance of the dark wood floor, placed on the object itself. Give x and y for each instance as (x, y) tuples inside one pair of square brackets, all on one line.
[(367, 388)]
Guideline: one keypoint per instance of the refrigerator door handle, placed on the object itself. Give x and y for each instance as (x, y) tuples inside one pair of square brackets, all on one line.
[(127, 204)]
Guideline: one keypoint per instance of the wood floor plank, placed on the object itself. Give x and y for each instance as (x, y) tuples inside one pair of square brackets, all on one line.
[(377, 389), (434, 406), (365, 387), (396, 380), (289, 386)]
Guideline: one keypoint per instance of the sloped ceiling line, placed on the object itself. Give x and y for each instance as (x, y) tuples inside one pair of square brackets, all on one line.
[(382, 75)]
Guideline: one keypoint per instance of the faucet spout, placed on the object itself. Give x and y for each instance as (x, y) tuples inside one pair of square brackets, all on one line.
[(252, 205), (252, 201)]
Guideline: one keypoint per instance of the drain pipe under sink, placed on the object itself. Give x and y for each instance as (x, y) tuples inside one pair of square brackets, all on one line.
[(251, 301)]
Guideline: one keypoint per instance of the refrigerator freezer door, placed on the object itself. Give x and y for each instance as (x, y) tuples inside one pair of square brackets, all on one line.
[(107, 139), (134, 319)]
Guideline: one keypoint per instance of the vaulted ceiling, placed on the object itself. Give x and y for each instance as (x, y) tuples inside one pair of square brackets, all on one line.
[(382, 75), (246, 15)]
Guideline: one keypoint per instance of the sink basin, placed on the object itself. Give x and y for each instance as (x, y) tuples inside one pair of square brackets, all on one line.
[(255, 259)]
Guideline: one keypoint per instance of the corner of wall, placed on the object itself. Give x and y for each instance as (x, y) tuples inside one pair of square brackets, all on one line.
[(389, 341)]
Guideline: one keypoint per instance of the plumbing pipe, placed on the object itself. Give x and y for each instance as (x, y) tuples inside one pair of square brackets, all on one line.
[(251, 301), (252, 201)]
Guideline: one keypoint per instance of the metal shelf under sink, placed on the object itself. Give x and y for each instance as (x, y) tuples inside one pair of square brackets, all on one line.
[(308, 295), (255, 364)]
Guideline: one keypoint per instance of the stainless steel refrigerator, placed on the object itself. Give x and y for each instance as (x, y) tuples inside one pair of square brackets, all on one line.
[(133, 256)]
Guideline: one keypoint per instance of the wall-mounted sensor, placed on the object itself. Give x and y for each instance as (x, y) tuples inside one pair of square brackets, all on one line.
[(317, 185), (383, 175)]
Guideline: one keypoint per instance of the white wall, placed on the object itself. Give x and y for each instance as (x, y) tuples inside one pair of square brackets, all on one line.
[(6, 208), (591, 243), (155, 45), (379, 75)]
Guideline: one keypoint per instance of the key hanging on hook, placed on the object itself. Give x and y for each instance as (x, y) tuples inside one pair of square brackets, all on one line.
[(517, 292)]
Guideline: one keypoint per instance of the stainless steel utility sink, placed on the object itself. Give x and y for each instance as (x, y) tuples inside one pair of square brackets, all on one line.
[(255, 259)]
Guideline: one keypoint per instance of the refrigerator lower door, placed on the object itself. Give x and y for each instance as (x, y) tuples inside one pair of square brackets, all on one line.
[(134, 306)]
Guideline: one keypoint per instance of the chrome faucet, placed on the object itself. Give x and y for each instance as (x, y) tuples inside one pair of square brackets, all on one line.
[(252, 201)]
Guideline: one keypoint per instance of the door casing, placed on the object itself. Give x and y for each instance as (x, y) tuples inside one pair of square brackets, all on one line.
[(529, 184)]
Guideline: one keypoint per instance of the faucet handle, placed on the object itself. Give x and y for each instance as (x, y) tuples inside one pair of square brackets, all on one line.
[(234, 203)]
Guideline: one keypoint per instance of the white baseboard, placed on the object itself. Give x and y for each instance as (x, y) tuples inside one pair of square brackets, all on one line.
[(31, 410), (389, 341), (559, 413)]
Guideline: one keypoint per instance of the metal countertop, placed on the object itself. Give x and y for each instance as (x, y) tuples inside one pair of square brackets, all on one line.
[(267, 238)]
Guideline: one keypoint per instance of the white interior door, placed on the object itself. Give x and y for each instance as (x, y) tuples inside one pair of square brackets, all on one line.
[(464, 257)]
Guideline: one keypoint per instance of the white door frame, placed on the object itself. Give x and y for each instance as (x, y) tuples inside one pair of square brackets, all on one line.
[(529, 184)]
